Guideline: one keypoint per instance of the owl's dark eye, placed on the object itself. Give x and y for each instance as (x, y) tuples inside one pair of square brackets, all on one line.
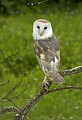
[(38, 27), (45, 28)]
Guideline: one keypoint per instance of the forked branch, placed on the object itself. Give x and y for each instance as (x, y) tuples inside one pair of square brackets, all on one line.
[(23, 112)]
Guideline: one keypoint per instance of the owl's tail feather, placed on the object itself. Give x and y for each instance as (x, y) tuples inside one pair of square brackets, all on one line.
[(59, 79), (55, 77)]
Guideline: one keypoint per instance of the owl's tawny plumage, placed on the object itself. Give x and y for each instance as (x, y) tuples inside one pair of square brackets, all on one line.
[(47, 51)]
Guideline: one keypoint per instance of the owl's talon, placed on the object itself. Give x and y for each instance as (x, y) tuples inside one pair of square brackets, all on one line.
[(45, 85)]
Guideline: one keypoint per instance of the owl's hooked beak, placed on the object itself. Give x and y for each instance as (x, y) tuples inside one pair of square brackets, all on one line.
[(41, 32)]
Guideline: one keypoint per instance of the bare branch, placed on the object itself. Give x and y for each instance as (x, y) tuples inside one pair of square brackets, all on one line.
[(8, 109), (4, 83), (63, 88), (28, 2), (26, 87), (23, 112), (74, 70), (32, 102), (21, 115), (5, 59), (13, 89), (13, 103), (20, 93)]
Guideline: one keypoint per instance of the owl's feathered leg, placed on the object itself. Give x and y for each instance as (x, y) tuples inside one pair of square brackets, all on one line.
[(45, 83)]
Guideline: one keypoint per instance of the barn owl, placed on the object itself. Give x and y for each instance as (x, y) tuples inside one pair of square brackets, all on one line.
[(46, 49)]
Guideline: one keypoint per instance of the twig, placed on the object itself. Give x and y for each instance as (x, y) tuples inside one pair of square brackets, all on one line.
[(5, 59), (4, 83), (28, 2), (19, 94), (8, 109), (12, 89)]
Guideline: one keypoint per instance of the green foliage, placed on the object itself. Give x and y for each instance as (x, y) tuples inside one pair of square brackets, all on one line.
[(15, 30), (15, 7), (12, 7)]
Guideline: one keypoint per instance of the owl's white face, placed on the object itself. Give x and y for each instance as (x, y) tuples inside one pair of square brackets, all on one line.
[(42, 29)]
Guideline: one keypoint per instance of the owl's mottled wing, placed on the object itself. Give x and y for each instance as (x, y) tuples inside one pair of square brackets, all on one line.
[(48, 55), (47, 50)]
